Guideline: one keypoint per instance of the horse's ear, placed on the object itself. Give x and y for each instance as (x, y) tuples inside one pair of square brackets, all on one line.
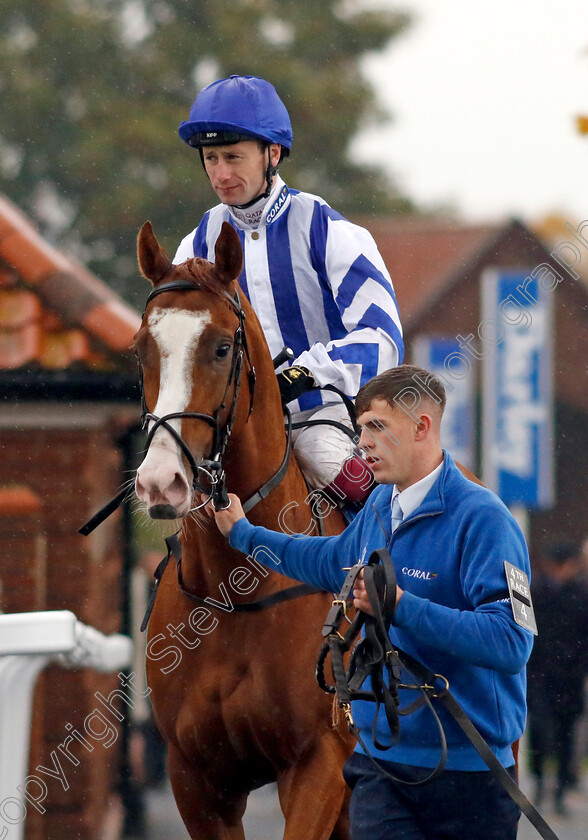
[(153, 261), (228, 255)]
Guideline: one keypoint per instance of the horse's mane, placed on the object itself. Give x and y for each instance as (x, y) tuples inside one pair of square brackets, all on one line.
[(201, 273)]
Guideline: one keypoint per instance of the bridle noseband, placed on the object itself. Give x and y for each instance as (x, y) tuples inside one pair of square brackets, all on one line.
[(211, 466)]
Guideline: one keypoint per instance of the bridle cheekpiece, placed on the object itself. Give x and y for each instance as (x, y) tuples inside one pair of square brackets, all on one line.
[(211, 466)]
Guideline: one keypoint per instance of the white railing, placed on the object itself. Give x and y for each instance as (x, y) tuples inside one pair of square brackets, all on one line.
[(29, 642)]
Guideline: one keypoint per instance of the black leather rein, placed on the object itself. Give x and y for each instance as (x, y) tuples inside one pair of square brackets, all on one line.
[(212, 465)]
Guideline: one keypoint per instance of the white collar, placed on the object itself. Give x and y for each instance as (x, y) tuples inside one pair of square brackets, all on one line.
[(252, 217), (412, 497)]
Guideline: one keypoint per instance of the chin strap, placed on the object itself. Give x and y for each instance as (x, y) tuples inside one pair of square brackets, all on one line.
[(270, 173)]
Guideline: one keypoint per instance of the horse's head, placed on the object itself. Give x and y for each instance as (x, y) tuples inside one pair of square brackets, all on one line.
[(188, 346)]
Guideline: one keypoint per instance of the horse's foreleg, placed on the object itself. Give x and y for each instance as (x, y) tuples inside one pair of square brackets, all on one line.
[(205, 816), (314, 796)]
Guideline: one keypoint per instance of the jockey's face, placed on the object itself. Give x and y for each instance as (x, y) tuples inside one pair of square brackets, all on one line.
[(237, 172)]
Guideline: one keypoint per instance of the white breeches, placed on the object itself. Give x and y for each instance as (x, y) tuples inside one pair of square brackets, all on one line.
[(321, 450)]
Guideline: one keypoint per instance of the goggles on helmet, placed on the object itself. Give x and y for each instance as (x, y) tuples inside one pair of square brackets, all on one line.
[(216, 138)]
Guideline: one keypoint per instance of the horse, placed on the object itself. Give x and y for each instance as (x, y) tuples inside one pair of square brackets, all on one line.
[(233, 692)]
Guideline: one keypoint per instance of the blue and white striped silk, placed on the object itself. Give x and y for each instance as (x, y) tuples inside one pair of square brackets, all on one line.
[(317, 283), (397, 515)]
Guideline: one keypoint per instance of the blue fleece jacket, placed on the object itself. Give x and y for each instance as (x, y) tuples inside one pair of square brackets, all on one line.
[(454, 616)]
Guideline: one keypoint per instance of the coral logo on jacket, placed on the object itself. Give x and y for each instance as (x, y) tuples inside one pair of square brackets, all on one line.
[(420, 574), (278, 204)]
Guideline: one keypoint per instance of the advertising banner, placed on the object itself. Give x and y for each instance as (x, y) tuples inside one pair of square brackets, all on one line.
[(517, 399)]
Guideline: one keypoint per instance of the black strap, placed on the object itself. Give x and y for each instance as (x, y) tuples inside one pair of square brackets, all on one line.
[(353, 433), (495, 766), (174, 547), (303, 424), (275, 480), (377, 645), (158, 574), (105, 511), (349, 405), (338, 608)]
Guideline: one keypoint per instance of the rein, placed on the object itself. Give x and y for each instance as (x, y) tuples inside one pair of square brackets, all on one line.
[(212, 466), (221, 431), (174, 547), (376, 657)]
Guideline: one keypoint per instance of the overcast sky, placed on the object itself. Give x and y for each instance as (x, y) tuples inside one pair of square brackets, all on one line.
[(484, 98)]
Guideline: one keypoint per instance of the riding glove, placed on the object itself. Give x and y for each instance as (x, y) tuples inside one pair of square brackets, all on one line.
[(294, 381)]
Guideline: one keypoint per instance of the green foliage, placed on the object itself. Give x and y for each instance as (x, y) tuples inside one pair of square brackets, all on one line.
[(92, 93)]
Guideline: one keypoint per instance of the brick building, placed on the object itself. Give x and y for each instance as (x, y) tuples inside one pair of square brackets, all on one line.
[(437, 267), (69, 405), (68, 399)]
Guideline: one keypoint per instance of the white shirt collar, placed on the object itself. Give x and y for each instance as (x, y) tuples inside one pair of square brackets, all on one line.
[(413, 496)]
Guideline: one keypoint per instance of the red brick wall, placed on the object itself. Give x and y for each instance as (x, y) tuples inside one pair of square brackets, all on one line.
[(45, 564), (23, 579)]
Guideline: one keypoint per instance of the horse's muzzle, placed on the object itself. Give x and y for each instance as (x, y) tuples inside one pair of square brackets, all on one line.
[(163, 512)]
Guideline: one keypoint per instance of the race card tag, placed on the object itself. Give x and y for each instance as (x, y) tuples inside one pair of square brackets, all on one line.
[(520, 597)]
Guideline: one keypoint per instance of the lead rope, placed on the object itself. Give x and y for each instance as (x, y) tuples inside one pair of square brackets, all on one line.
[(377, 641)]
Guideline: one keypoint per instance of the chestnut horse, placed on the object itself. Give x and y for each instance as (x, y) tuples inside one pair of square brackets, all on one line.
[(233, 692)]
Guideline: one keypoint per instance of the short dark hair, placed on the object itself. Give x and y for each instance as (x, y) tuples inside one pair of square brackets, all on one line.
[(404, 379)]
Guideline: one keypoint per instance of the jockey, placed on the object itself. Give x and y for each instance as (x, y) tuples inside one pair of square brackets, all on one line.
[(316, 281)]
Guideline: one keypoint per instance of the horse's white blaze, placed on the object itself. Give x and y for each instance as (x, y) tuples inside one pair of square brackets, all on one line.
[(176, 333)]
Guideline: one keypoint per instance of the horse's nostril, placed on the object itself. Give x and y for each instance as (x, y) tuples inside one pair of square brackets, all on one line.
[(178, 485)]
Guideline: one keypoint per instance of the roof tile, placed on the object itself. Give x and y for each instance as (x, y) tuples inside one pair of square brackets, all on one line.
[(19, 347), (18, 308), (53, 312), (59, 350)]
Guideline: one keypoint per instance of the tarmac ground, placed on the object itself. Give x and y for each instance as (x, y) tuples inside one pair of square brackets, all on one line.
[(264, 820)]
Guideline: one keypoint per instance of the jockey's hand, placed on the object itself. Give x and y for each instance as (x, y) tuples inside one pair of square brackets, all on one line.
[(360, 597), (225, 519), (293, 382)]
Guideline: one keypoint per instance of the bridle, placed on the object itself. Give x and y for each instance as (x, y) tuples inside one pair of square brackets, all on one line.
[(222, 431), (211, 466)]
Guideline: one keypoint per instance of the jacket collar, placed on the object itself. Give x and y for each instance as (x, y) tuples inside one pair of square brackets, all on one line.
[(434, 501), (266, 212)]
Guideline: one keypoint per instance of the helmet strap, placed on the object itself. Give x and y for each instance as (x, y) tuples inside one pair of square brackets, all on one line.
[(270, 173)]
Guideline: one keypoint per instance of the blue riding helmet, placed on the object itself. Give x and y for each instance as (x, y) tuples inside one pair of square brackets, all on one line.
[(234, 109)]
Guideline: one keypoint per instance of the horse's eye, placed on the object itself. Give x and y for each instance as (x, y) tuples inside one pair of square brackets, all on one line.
[(223, 351)]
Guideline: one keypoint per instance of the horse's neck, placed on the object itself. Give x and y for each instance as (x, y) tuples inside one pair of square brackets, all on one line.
[(252, 458), (256, 456)]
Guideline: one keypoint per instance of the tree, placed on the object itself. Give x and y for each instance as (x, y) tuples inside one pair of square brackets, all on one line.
[(92, 92)]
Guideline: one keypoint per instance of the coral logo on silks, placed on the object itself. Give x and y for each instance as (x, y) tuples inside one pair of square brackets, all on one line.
[(278, 204), (419, 574)]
